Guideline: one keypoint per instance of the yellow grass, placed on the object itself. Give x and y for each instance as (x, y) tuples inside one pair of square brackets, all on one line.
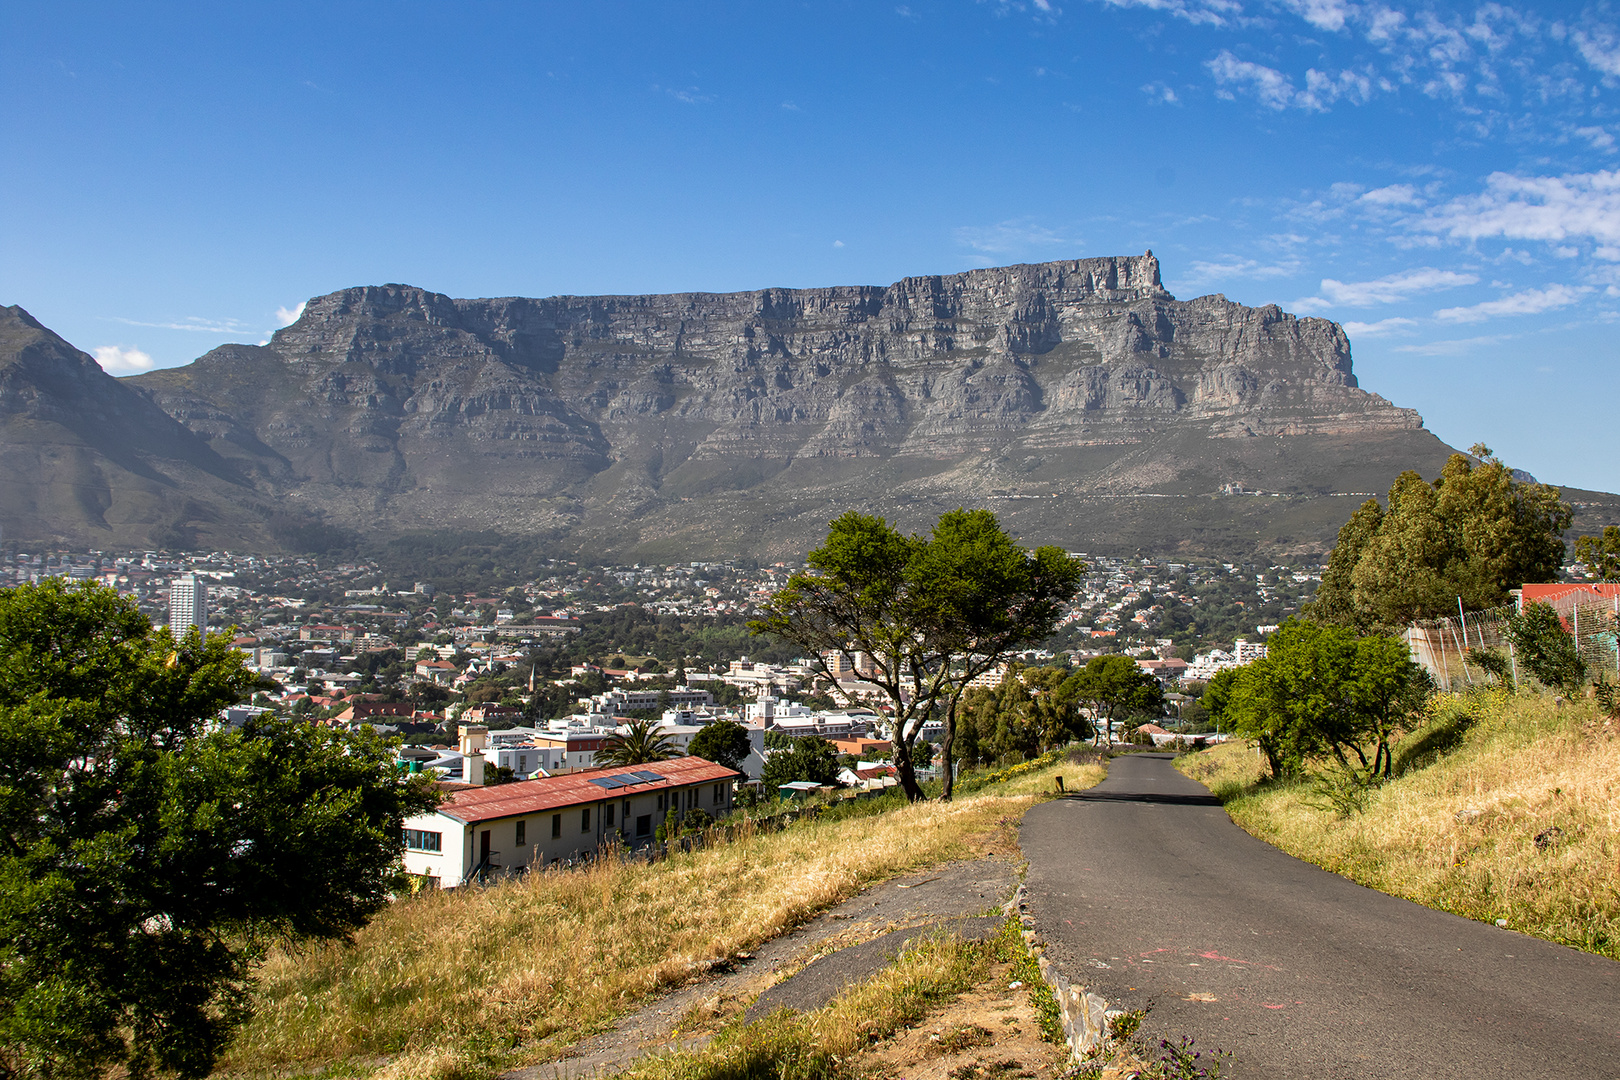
[(445, 980), (825, 1044), (1484, 777)]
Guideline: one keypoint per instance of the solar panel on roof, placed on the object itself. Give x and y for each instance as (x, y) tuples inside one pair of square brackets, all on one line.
[(627, 779), (647, 776), (609, 782)]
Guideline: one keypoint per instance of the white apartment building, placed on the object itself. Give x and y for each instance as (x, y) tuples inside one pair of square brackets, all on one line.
[(188, 604)]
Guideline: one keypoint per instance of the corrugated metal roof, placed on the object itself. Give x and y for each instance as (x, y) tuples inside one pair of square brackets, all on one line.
[(472, 805)]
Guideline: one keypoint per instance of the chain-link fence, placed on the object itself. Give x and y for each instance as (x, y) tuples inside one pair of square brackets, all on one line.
[(1441, 645)]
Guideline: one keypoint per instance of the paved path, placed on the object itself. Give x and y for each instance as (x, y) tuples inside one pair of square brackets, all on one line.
[(1145, 890), (803, 968)]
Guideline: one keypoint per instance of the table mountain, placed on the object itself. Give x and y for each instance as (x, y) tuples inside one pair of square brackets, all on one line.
[(1079, 399)]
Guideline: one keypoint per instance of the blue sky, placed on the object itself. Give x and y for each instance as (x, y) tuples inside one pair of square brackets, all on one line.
[(1443, 179)]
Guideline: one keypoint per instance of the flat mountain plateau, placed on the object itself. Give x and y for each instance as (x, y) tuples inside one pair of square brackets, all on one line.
[(1078, 399)]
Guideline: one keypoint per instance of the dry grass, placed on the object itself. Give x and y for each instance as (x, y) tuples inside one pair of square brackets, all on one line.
[(1506, 809), (445, 983)]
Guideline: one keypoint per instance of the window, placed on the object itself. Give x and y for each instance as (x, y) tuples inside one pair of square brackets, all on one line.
[(644, 825), (717, 794), (607, 815), (585, 820), (422, 840), (663, 800), (522, 833), (556, 826)]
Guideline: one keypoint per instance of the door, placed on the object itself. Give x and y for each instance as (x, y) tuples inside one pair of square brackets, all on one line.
[(483, 847)]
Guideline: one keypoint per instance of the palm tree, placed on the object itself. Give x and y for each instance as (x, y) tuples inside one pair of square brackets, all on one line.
[(642, 741)]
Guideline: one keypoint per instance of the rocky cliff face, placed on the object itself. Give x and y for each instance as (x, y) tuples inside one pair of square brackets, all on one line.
[(1075, 397)]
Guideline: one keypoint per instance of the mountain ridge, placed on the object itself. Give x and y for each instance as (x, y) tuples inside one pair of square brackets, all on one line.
[(1079, 398)]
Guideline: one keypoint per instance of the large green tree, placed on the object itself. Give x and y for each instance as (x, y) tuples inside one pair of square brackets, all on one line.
[(1322, 690), (1033, 710), (1114, 687), (724, 742), (148, 858), (930, 612), (809, 758), (1472, 535)]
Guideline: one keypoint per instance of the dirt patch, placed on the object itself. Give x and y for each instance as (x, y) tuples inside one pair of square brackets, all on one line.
[(989, 1033)]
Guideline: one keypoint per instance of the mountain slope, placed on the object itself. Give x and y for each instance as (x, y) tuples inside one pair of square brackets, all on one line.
[(85, 457), (1078, 398)]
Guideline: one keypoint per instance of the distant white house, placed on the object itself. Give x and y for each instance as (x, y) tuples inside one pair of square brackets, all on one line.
[(481, 831)]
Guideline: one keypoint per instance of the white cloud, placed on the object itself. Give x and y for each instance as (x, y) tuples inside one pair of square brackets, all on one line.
[(1160, 94), (1451, 348), (288, 316), (838, 243), (1243, 268), (117, 360), (1393, 195), (192, 322), (1379, 328), (1599, 48), (1390, 289), (1599, 138), (689, 95), (1529, 302), (1277, 91), (1322, 14), (1197, 12), (1555, 209), (1009, 237)]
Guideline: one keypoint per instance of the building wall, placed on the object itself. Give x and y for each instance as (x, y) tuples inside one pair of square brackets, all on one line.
[(461, 843)]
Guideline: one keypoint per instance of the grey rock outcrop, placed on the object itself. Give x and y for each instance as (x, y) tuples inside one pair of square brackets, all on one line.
[(1075, 397)]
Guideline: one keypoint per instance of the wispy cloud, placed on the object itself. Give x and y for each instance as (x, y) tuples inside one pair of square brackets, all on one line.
[(686, 95), (1275, 90), (1160, 94), (1389, 289), (1010, 237), (1379, 328), (1453, 347), (1529, 302), (193, 323), (1197, 12), (119, 360), (288, 316), (1553, 209), (1235, 267)]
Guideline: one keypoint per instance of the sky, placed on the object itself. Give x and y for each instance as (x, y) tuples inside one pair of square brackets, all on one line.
[(1442, 179)]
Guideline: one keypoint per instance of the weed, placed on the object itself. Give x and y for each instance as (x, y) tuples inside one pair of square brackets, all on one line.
[(1126, 1024), (1179, 1061), (962, 1038), (1010, 947)]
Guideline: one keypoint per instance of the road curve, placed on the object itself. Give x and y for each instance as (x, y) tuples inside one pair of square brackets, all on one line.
[(1144, 890)]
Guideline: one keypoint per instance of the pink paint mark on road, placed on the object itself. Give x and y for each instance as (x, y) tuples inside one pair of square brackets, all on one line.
[(1268, 1005), (1213, 955)]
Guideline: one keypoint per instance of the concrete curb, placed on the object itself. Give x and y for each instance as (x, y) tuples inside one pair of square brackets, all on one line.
[(1084, 1014)]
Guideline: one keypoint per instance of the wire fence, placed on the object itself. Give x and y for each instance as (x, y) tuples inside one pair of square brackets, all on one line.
[(1441, 645)]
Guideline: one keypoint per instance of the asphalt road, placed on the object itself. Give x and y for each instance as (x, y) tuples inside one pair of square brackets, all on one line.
[(1144, 891)]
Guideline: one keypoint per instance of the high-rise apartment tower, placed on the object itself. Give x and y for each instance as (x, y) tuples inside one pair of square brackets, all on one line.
[(188, 604)]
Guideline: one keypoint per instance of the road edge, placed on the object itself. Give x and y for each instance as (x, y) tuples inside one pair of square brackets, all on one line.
[(1083, 1013)]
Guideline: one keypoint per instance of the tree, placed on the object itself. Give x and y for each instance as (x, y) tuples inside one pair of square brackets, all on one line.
[(1601, 553), (931, 613), (1032, 711), (641, 741), (811, 758), (147, 859), (1545, 649), (1114, 688), (724, 742), (1472, 535), (1320, 689)]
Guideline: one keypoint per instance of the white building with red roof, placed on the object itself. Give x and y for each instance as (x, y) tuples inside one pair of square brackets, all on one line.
[(506, 827)]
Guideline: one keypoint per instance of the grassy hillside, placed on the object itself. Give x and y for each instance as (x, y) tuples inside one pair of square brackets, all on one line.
[(1503, 807), (450, 984)]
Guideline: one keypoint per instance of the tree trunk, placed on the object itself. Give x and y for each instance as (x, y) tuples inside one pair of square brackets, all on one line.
[(903, 766), (947, 771)]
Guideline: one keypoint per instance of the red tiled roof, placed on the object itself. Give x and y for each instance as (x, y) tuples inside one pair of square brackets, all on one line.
[(1551, 593), (472, 805)]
